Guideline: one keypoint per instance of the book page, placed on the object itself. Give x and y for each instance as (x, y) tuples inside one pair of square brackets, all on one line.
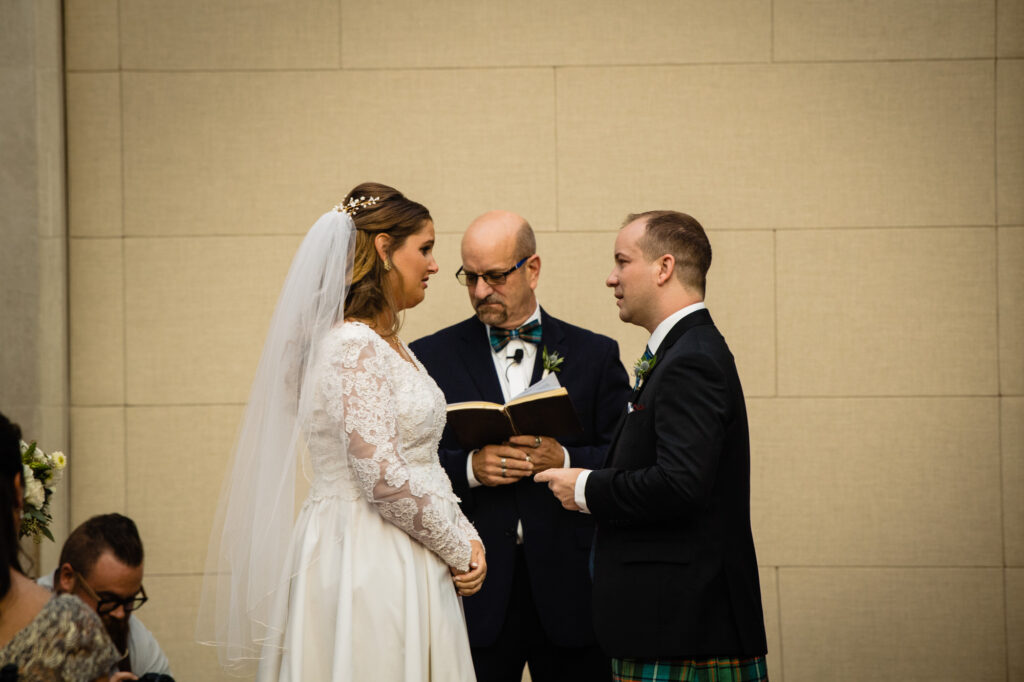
[(548, 383)]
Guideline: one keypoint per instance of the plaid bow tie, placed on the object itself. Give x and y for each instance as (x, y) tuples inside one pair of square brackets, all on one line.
[(529, 332)]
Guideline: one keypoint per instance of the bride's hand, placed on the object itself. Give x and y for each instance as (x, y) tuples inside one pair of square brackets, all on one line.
[(469, 583)]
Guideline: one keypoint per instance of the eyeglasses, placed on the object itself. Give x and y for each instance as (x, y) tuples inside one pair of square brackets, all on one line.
[(105, 605), (469, 279)]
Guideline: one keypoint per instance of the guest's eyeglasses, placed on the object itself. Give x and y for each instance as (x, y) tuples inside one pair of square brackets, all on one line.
[(105, 605), (469, 279)]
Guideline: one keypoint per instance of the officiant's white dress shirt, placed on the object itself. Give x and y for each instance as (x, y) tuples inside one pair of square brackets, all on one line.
[(514, 378), (657, 336)]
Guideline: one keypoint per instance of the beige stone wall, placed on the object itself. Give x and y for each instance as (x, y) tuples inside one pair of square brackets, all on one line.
[(859, 167), (33, 240)]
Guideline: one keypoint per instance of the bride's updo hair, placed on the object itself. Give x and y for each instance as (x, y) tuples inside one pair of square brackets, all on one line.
[(371, 292)]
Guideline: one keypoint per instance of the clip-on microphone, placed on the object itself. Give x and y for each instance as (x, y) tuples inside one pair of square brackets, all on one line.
[(516, 357)]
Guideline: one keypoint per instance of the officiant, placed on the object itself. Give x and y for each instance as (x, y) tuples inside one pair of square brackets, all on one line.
[(535, 606)]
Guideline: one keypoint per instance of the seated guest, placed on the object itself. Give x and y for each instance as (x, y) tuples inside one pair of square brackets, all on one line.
[(41, 637), (101, 563)]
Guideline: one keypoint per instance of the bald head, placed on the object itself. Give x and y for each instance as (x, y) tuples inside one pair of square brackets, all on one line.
[(492, 244), (500, 229)]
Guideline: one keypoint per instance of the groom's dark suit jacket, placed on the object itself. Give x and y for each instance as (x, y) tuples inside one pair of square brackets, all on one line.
[(675, 573), (556, 542)]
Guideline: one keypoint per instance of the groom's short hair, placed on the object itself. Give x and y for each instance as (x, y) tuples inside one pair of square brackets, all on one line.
[(682, 237)]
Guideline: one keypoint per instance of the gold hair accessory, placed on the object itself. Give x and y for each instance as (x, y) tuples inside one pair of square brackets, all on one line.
[(354, 205)]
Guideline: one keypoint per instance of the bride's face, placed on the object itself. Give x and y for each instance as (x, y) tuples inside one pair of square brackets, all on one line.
[(413, 264)]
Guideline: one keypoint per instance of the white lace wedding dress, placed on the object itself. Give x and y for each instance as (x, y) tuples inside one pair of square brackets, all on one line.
[(371, 596)]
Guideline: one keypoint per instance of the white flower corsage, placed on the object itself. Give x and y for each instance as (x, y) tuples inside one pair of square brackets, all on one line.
[(41, 473)]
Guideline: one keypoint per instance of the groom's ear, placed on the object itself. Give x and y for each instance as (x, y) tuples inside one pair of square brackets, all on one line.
[(666, 268)]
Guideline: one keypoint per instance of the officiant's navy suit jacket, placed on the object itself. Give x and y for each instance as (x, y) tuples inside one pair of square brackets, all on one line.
[(675, 574), (556, 541)]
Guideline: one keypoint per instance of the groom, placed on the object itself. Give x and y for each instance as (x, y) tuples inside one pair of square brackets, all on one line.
[(535, 604), (676, 591)]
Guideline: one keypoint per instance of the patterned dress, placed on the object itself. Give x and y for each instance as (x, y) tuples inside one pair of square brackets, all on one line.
[(65, 641), (370, 594)]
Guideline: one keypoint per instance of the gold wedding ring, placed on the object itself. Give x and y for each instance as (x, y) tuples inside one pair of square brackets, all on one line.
[(536, 441)]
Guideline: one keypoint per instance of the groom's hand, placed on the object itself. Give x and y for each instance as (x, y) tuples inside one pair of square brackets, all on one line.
[(541, 451), (562, 483), (500, 465)]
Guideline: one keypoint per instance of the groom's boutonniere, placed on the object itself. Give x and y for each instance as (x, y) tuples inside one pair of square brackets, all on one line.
[(552, 361), (642, 367)]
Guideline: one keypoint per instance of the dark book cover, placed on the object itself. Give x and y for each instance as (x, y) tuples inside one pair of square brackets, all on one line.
[(479, 423)]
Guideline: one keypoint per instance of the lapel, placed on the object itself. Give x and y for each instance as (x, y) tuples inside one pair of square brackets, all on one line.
[(476, 354), (695, 319), (553, 338)]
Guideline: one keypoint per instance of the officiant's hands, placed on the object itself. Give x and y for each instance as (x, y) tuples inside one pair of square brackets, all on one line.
[(501, 464), (542, 452), (470, 582)]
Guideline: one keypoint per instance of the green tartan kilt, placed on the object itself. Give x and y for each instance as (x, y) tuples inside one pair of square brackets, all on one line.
[(688, 670)]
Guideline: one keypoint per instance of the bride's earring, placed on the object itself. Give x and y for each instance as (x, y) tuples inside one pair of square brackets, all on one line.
[(387, 265)]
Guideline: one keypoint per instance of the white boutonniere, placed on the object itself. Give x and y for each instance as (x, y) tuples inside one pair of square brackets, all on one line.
[(642, 367), (552, 361), (41, 472)]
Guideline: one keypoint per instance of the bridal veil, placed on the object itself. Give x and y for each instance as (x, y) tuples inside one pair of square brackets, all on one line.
[(254, 519)]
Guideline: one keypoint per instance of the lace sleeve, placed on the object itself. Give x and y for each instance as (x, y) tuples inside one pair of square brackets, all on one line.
[(368, 411)]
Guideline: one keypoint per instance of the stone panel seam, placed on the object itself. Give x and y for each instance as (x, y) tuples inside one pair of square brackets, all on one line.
[(554, 93)]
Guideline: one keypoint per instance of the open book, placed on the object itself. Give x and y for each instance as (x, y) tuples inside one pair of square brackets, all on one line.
[(538, 411)]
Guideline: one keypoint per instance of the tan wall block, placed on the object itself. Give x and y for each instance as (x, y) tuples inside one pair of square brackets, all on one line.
[(1010, 28), (1010, 140), (230, 34), (175, 467), (769, 576), (1013, 479), (887, 312), (94, 154), (96, 293), (170, 614), (802, 145), (51, 318), (197, 312), (269, 152), (811, 30), (1015, 622), (96, 458), (91, 35), (900, 624), (1011, 310), (868, 482), (462, 33)]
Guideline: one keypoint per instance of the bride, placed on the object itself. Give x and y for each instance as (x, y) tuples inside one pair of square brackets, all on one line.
[(363, 583)]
